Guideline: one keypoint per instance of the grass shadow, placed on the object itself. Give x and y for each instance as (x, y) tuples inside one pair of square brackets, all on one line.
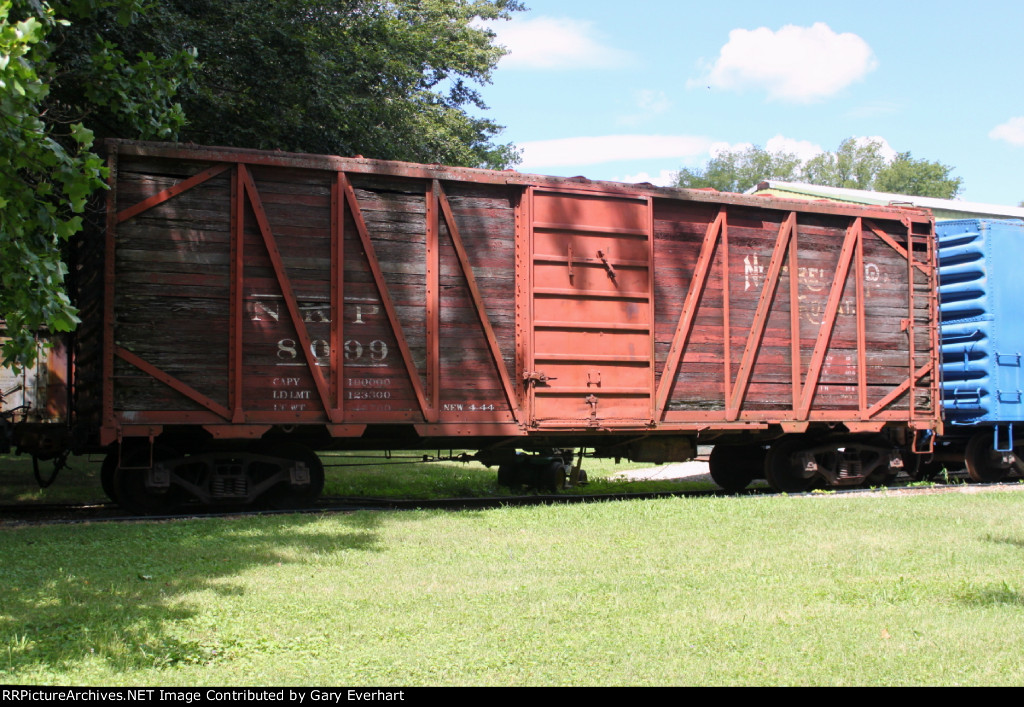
[(1015, 542), (1002, 595), (113, 592), (77, 482)]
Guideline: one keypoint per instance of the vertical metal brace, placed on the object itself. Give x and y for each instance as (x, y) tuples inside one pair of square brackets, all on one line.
[(433, 301), (726, 318), (338, 293), (523, 294), (861, 315), (107, 394), (911, 336), (794, 313), (237, 229)]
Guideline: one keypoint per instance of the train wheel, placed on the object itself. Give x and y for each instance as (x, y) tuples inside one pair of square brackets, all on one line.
[(784, 470), (876, 453), (509, 475), (733, 467), (284, 496), (984, 464), (553, 476), (129, 482)]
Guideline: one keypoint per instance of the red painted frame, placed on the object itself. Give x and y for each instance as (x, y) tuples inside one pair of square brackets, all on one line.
[(233, 420)]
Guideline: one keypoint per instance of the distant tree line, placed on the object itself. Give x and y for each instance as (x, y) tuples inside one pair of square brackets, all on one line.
[(855, 164)]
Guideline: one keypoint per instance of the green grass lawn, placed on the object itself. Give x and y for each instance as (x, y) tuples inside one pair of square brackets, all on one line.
[(817, 590), (365, 474), (78, 482), (355, 474)]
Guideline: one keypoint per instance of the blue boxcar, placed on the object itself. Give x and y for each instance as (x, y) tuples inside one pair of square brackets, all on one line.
[(981, 292)]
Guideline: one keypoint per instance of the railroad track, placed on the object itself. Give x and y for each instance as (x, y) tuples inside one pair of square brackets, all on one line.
[(57, 514)]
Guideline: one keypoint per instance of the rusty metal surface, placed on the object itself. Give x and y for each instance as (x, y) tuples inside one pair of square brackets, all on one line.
[(247, 289), (592, 310)]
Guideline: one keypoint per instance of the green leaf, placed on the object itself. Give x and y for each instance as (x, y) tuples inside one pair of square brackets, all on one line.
[(66, 229), (82, 135), (65, 320)]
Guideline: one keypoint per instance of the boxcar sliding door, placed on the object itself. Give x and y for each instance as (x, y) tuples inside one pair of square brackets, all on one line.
[(590, 355)]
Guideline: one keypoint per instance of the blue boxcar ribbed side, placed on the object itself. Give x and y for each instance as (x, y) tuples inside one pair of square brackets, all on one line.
[(981, 293)]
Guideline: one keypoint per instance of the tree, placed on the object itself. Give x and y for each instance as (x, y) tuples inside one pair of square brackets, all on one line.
[(856, 164), (382, 78), (905, 175), (390, 80), (47, 167), (739, 170)]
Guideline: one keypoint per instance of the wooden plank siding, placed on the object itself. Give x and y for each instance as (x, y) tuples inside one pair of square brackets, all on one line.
[(250, 289)]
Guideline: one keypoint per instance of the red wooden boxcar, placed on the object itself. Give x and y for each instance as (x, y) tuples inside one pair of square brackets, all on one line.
[(254, 306)]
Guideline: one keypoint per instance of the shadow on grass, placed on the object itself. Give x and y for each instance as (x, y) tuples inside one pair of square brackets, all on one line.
[(1001, 594), (1002, 540), (77, 482), (118, 593)]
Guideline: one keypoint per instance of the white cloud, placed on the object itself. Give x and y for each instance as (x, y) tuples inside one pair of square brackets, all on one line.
[(718, 148), (554, 43), (874, 109), (664, 178), (648, 104), (610, 148), (804, 149), (650, 101), (794, 64), (1012, 131), (884, 148)]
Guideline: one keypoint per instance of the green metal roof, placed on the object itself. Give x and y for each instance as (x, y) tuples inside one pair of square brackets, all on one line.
[(942, 209)]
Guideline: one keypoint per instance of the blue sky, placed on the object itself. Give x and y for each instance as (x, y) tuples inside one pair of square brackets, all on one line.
[(634, 91)]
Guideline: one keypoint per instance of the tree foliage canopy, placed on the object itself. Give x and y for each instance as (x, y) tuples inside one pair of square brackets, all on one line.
[(387, 79), (855, 165), (47, 167), (905, 175), (738, 170), (391, 79)]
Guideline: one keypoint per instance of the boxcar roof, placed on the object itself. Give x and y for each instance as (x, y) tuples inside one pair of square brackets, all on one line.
[(362, 165)]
